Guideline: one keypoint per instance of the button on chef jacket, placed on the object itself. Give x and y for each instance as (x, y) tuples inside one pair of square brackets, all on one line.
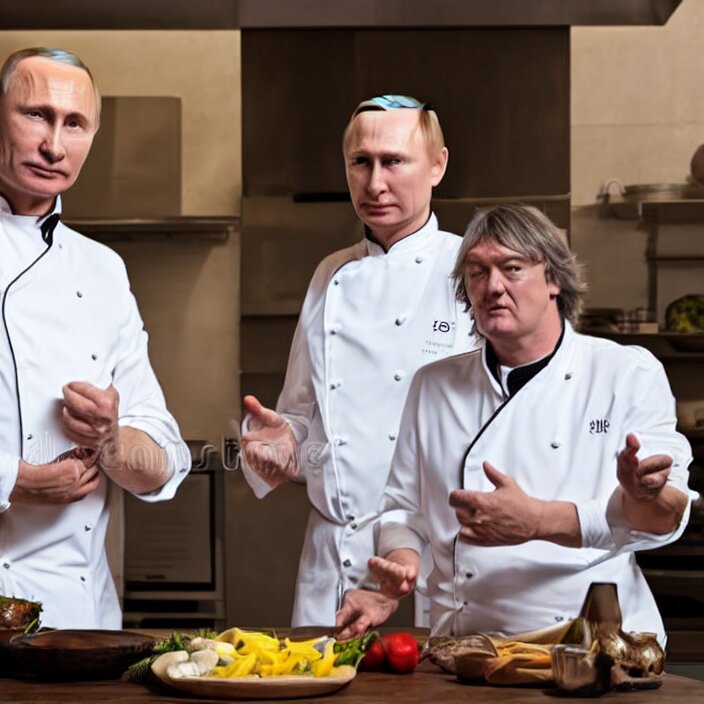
[(67, 315), (369, 320)]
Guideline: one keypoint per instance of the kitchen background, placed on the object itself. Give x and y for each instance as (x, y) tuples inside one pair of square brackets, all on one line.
[(241, 197)]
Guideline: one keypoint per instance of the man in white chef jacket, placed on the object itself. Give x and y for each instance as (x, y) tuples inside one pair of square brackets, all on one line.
[(373, 314), (80, 407), (535, 464)]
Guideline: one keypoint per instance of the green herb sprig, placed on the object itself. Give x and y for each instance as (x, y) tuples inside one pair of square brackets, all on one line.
[(350, 652), (139, 672)]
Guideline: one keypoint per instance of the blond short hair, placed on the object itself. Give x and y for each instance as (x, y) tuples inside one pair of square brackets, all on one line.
[(427, 120)]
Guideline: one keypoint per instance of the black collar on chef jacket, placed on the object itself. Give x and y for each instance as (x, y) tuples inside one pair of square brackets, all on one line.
[(48, 226), (520, 376), (368, 234)]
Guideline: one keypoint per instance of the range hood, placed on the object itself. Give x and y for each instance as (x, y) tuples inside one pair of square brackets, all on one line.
[(259, 14)]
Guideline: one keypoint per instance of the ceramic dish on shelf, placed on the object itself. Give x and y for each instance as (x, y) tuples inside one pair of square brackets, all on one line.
[(686, 341)]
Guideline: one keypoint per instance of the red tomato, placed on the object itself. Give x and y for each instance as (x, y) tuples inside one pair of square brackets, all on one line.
[(401, 652), (374, 656)]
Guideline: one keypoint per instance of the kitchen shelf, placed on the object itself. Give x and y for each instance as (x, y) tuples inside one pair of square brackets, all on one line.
[(693, 433), (664, 345), (675, 212), (136, 616), (173, 595), (272, 309), (166, 228), (659, 212), (675, 258)]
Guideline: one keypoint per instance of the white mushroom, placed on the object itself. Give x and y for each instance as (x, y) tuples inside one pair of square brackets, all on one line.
[(226, 651), (202, 644), (163, 662), (200, 663)]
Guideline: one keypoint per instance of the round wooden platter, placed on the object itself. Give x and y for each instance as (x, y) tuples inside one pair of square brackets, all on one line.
[(253, 687)]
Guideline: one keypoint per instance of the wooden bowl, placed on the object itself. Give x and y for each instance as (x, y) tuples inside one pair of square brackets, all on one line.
[(6, 634), (77, 654)]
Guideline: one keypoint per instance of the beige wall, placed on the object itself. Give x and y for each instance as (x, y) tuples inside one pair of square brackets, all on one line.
[(202, 68), (637, 102), (188, 292), (637, 115)]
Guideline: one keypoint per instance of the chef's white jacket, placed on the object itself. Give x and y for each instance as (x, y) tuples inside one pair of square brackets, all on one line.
[(558, 436), (369, 320), (67, 315)]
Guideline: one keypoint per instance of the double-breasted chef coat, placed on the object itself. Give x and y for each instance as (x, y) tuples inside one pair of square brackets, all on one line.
[(67, 315), (559, 437), (369, 320)]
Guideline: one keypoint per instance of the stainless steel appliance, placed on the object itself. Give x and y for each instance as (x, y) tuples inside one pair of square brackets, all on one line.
[(174, 566)]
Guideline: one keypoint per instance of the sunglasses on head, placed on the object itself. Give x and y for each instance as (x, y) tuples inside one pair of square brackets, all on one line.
[(391, 102)]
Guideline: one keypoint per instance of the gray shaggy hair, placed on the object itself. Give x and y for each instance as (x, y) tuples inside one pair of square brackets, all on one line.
[(527, 230)]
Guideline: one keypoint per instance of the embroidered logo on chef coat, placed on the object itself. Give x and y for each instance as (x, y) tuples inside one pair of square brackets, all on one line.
[(442, 326), (599, 426), (440, 341)]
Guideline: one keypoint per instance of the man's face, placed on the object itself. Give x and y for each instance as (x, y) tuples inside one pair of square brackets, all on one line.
[(510, 295), (47, 122), (391, 173)]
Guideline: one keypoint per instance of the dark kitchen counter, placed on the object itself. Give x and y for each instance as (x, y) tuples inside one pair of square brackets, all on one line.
[(427, 684)]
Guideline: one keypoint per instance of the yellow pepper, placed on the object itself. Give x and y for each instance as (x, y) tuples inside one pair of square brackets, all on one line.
[(323, 667), (239, 668), (257, 653)]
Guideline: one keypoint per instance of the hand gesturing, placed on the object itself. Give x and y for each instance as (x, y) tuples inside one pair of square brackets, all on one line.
[(269, 446), (642, 480), (397, 572), (505, 516)]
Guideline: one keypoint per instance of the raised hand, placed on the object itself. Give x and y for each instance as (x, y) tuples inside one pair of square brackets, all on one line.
[(649, 503), (269, 445), (642, 480), (397, 572)]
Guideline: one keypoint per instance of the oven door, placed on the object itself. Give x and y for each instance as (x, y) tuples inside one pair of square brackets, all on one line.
[(171, 544)]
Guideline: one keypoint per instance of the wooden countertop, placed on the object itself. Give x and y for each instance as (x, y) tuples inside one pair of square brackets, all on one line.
[(426, 684)]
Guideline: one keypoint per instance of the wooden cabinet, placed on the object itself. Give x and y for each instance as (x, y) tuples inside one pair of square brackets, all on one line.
[(502, 96)]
